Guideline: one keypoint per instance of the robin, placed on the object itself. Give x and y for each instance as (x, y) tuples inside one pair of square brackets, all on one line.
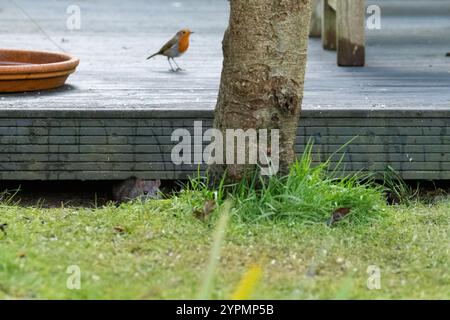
[(175, 47)]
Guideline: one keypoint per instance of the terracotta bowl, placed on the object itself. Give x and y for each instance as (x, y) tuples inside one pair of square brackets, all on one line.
[(22, 70)]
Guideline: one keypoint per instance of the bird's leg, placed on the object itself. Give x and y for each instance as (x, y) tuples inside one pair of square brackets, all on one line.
[(178, 67), (171, 67)]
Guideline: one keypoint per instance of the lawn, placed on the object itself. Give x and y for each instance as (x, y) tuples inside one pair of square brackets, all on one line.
[(158, 250), (264, 239)]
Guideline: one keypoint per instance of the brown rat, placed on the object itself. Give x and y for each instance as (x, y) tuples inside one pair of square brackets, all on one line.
[(133, 188)]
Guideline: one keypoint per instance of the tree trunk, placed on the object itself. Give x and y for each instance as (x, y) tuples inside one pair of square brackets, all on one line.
[(265, 50)]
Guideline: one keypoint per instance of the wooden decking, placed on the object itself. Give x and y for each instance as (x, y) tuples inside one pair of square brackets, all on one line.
[(115, 117)]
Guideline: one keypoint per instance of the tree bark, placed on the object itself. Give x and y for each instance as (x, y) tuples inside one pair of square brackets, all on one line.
[(265, 50)]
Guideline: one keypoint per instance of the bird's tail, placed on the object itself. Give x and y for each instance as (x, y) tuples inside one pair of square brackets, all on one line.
[(153, 55)]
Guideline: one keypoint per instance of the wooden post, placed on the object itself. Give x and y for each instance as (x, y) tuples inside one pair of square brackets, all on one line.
[(328, 26), (315, 29), (350, 33)]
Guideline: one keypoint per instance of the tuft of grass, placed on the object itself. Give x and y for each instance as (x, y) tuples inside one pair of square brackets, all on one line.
[(194, 194), (397, 189), (7, 197), (308, 194)]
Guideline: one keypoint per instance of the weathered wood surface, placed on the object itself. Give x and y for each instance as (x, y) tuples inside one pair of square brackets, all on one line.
[(115, 117), (350, 32), (315, 29), (333, 4), (329, 35)]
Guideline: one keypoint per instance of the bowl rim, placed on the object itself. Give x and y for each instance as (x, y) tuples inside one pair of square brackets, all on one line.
[(70, 63)]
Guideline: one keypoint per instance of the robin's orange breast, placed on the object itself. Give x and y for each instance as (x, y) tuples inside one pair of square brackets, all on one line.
[(183, 43)]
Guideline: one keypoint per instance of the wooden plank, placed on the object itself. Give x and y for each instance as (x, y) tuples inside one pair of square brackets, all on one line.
[(88, 140), (333, 4), (166, 157), (102, 122), (399, 166), (302, 131), (443, 123), (139, 168), (374, 139), (316, 104), (97, 166), (425, 175), (139, 124), (381, 157), (386, 149), (315, 29), (328, 27), (92, 175), (136, 149), (91, 131), (157, 140), (120, 175), (350, 33), (84, 157), (356, 107), (166, 166), (85, 149), (374, 131)]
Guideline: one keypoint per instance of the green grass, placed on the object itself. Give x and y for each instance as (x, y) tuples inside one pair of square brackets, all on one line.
[(307, 195), (164, 253), (159, 250)]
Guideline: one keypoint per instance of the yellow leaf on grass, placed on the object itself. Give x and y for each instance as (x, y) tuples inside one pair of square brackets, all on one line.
[(247, 284)]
